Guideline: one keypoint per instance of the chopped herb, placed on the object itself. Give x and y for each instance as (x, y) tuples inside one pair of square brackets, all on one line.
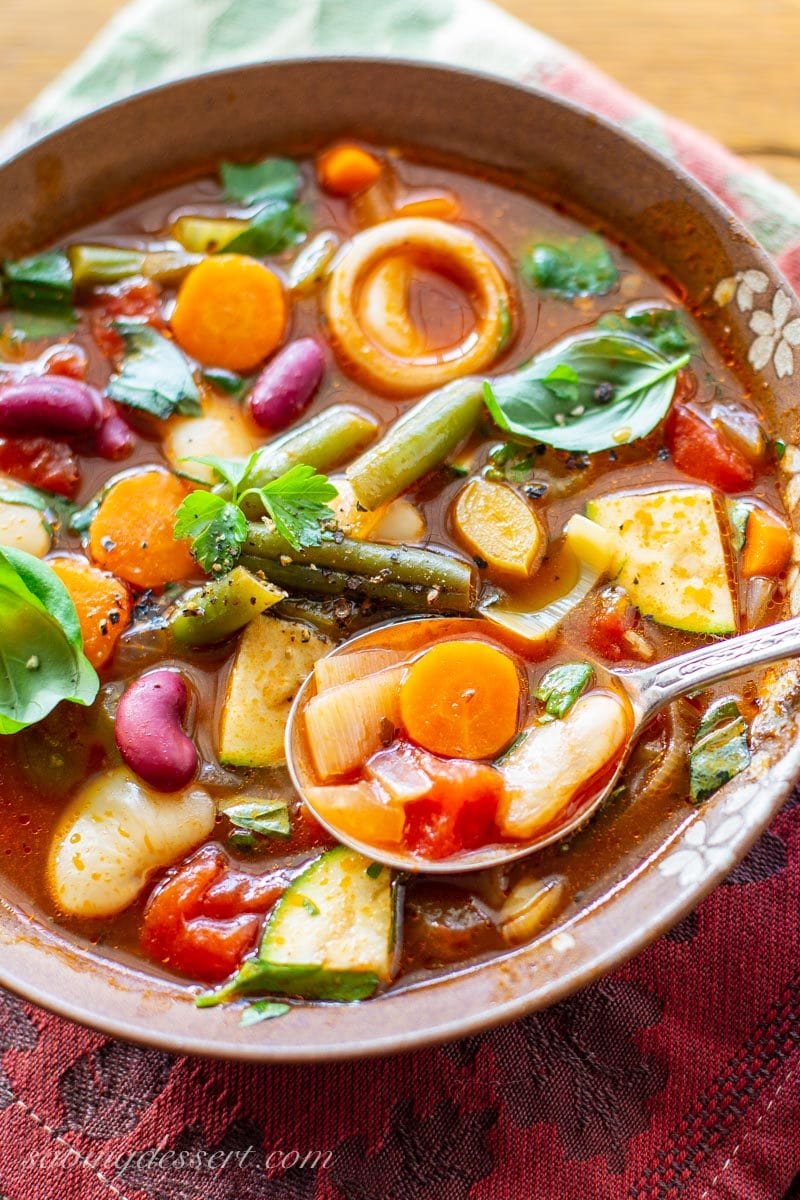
[(155, 377), (738, 516), (720, 750), (252, 183), (561, 687), (576, 266), (561, 397), (664, 328), (241, 840), (264, 816), (298, 504), (374, 869), (511, 461), (226, 381), (216, 527), (263, 1010), (29, 326), (41, 284), (778, 448), (310, 906), (276, 227)]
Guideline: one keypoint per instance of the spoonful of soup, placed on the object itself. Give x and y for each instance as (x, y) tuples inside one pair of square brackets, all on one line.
[(436, 744)]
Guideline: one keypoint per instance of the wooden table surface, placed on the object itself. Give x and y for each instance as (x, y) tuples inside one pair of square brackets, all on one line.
[(728, 66)]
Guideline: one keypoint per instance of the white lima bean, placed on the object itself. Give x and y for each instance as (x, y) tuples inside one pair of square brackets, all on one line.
[(22, 526), (114, 834), (556, 760)]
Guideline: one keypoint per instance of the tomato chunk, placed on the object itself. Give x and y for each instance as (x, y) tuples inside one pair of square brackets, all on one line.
[(206, 915), (614, 616), (702, 451), (140, 298), (457, 810), (41, 462)]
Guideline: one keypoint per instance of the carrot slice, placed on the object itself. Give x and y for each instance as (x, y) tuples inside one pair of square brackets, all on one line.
[(101, 602), (346, 169), (768, 544), (230, 312), (461, 699), (131, 533)]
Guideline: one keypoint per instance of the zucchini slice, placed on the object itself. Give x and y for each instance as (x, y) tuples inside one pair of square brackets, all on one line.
[(273, 659), (672, 560), (331, 936), (335, 928)]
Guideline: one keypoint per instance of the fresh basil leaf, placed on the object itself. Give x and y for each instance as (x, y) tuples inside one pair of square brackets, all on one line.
[(41, 648), (251, 183), (155, 377), (623, 388), (216, 528), (561, 687), (276, 227), (41, 283), (268, 817), (263, 1010), (720, 750), (576, 266), (664, 328), (226, 381)]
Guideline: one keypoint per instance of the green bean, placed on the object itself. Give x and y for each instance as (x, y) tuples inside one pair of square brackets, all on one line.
[(335, 616), (93, 266), (323, 443), (417, 443), (398, 564), (221, 607), (415, 597)]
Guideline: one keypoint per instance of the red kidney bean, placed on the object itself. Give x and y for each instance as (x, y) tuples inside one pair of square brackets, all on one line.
[(114, 439), (149, 731), (286, 386), (50, 405)]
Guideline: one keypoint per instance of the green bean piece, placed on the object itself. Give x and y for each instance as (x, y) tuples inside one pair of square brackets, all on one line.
[(94, 266), (204, 235), (324, 442), (376, 563), (335, 616), (417, 442), (414, 597), (221, 608)]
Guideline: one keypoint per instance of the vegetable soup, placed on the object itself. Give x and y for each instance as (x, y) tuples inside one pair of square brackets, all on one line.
[(256, 415)]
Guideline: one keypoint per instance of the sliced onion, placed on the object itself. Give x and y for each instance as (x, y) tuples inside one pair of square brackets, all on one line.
[(743, 430), (535, 626), (657, 777), (758, 598)]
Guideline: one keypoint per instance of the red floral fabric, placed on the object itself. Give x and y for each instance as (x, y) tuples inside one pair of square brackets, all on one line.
[(675, 1078)]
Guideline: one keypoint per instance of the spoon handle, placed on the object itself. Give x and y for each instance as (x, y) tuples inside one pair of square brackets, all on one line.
[(653, 687)]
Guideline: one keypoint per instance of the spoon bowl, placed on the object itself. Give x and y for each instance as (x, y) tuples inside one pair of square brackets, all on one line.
[(647, 690)]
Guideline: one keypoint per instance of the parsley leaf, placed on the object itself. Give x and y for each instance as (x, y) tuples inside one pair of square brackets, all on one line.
[(217, 529), (271, 179), (576, 266), (155, 376), (298, 504), (277, 226)]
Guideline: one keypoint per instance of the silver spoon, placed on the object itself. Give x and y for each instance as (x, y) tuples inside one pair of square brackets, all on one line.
[(648, 689)]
